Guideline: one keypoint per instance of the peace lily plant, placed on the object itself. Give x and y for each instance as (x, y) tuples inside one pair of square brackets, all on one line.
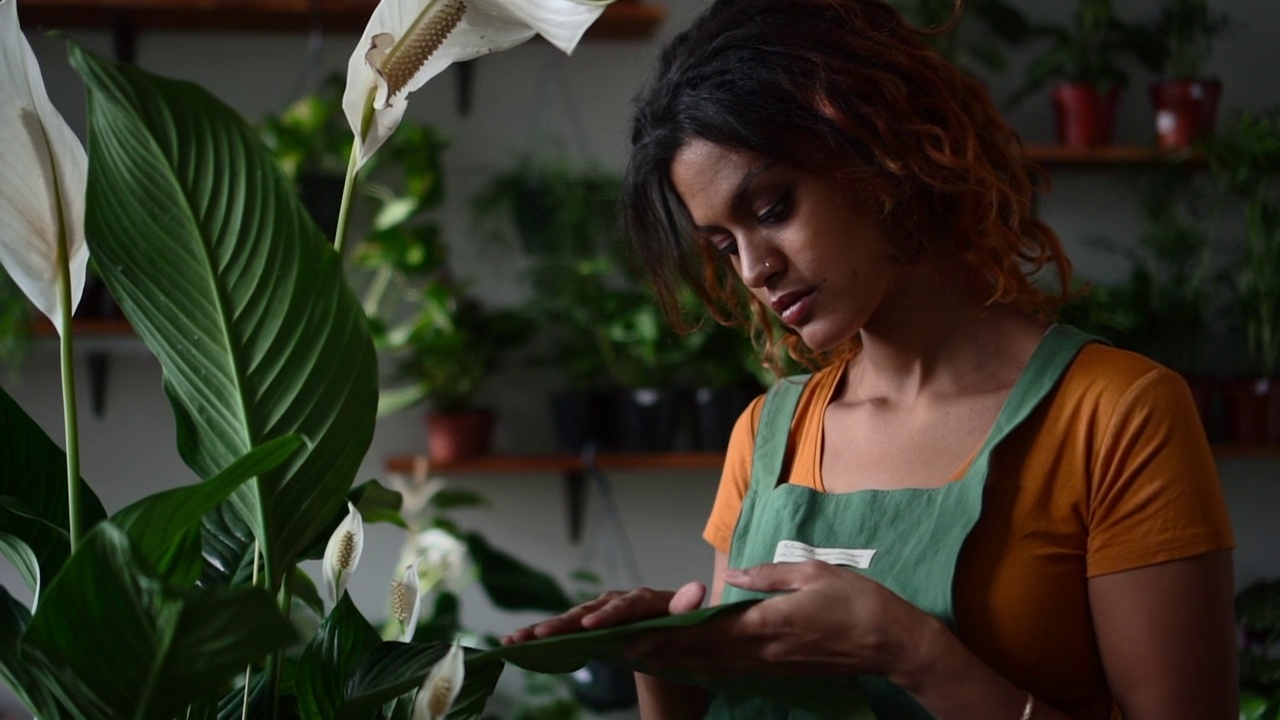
[(188, 603)]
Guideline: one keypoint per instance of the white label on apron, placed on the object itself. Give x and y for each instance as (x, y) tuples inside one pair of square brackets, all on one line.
[(794, 551)]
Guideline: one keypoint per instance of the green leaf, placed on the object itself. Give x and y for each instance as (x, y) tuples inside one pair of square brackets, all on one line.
[(20, 554), (122, 646), (826, 697), (165, 528), (304, 590), (228, 549), (14, 670), (378, 504), (452, 499), (511, 584), (222, 273), (393, 669), (33, 475), (343, 638)]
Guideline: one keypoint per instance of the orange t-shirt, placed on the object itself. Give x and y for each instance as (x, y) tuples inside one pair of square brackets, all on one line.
[(1111, 472)]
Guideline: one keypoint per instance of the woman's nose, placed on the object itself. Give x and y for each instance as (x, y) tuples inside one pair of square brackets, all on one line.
[(758, 265)]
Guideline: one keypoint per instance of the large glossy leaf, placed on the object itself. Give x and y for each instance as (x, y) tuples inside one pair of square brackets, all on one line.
[(220, 270), (165, 528), (33, 473), (121, 645), (228, 548), (343, 639), (393, 669), (511, 584), (23, 559), (15, 672), (824, 696)]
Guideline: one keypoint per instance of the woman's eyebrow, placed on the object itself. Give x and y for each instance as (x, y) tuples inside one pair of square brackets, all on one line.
[(740, 193)]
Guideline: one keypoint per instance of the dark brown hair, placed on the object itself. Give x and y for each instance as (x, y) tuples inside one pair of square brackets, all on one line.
[(845, 88)]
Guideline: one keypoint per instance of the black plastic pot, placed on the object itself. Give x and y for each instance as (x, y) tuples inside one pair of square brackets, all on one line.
[(581, 417), (716, 410), (648, 419), (603, 687)]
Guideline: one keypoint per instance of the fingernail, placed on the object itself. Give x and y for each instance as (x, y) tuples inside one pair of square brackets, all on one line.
[(733, 574)]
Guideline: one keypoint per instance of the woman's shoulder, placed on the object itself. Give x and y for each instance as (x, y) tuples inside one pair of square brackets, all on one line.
[(1103, 368)]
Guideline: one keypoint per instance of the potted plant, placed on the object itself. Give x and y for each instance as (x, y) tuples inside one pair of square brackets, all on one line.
[(453, 345), (310, 141), (1084, 59), (1246, 160), (1163, 306), (723, 370), (1001, 21), (564, 219), (557, 209), (1176, 46)]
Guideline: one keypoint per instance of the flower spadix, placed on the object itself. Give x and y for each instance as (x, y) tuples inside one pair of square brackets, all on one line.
[(407, 42), (43, 177), (441, 688), (406, 601), (343, 553)]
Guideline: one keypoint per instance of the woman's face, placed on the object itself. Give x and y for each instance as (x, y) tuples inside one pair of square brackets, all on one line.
[(808, 246)]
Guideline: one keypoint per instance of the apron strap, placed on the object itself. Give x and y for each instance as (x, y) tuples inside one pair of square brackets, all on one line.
[(774, 431), (1056, 351)]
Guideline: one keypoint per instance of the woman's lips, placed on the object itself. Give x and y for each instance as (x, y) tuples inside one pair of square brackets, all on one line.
[(793, 307)]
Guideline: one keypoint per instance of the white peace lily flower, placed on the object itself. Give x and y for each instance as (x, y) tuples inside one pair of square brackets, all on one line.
[(343, 553), (408, 42), (445, 558), (441, 688), (406, 601), (43, 179)]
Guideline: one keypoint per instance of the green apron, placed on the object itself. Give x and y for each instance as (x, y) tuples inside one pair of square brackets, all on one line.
[(908, 540)]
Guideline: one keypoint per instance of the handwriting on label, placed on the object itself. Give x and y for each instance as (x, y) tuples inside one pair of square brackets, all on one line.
[(795, 551)]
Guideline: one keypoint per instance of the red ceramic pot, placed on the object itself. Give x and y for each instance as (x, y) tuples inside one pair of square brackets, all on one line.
[(1253, 411), (1186, 110), (459, 435), (1084, 117)]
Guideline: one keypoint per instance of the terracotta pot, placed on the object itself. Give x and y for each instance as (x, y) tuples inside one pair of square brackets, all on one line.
[(459, 435), (1083, 117), (1186, 110), (1203, 391), (1253, 411)]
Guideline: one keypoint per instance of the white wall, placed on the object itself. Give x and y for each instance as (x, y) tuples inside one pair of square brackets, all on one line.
[(129, 452)]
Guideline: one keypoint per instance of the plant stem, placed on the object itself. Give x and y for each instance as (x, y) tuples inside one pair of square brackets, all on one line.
[(348, 186), (244, 707), (377, 288), (349, 182), (67, 359)]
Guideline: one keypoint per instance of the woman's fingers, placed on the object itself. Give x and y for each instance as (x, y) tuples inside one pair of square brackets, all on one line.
[(633, 606), (567, 622), (688, 598)]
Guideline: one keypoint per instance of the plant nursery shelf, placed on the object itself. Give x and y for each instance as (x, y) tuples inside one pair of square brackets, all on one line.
[(620, 21), (570, 467)]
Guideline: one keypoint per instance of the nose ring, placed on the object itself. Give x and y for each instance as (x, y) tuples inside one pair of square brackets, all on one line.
[(767, 265)]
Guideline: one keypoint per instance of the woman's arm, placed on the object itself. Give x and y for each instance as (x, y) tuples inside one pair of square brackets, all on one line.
[(1167, 638), (664, 700)]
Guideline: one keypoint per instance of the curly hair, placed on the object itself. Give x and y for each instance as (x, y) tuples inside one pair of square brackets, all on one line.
[(845, 88)]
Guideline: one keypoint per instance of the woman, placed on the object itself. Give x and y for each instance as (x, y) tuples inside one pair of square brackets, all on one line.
[(1034, 521)]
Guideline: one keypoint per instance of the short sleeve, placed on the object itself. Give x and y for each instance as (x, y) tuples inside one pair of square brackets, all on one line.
[(734, 479), (1155, 495)]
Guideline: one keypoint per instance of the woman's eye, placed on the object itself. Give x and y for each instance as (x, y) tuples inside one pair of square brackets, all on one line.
[(727, 249), (778, 211)]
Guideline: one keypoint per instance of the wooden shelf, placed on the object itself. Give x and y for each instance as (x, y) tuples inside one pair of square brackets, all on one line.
[(1132, 155), (561, 464), (620, 21)]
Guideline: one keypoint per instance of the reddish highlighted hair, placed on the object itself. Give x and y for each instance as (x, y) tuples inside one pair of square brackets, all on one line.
[(844, 88)]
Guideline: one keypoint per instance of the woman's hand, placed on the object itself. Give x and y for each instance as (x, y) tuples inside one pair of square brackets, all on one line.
[(829, 620), (615, 608)]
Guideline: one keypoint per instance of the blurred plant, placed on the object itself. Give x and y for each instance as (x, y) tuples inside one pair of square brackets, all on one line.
[(1258, 618), (310, 136), (1177, 45), (1245, 158), (1088, 51), (15, 323), (999, 19), (1171, 287)]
